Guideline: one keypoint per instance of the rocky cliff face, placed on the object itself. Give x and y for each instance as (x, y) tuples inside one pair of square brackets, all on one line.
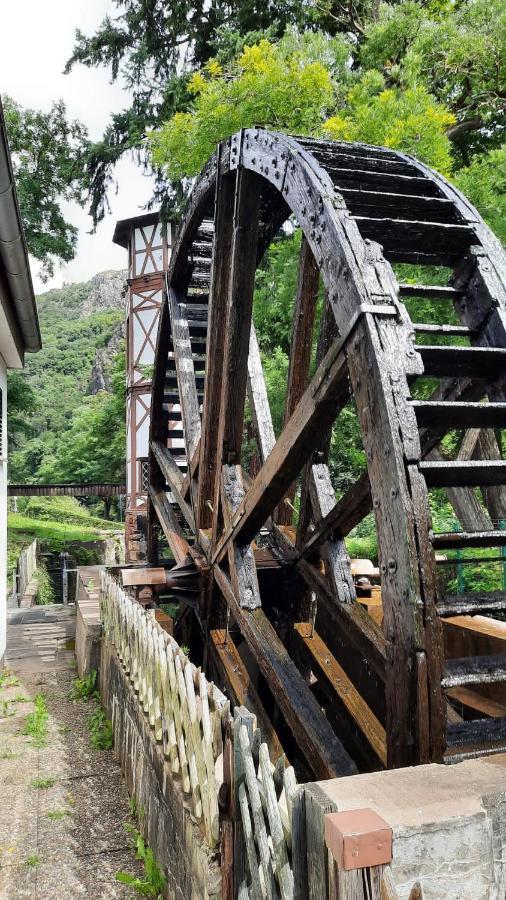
[(106, 292), (100, 374)]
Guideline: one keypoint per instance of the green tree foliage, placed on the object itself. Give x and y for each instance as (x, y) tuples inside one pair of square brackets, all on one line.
[(22, 404), (47, 152), (93, 447)]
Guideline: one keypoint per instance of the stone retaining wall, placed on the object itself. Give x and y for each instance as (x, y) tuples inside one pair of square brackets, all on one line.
[(192, 872)]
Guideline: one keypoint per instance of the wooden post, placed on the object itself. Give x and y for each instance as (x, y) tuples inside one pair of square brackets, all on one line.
[(360, 846), (317, 806), (242, 716)]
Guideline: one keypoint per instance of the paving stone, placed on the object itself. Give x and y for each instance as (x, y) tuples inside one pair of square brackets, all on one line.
[(71, 831)]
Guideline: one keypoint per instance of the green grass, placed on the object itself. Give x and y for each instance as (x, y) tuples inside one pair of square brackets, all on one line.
[(42, 784), (154, 881), (56, 814), (36, 722), (7, 679), (32, 861), (101, 735), (85, 688)]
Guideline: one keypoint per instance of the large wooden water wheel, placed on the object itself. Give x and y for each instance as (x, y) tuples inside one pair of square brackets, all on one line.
[(345, 692)]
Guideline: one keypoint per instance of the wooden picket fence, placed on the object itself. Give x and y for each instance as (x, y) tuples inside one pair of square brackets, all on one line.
[(191, 718), (185, 711)]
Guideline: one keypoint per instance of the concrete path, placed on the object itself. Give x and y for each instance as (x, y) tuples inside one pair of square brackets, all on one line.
[(64, 804)]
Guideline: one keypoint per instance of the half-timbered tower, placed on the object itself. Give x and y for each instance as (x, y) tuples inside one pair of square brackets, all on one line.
[(148, 247)]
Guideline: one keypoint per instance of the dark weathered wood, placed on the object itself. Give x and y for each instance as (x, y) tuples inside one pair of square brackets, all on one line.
[(322, 749), (173, 478), (460, 539), (326, 394), (473, 362), (468, 509), (486, 447), (317, 805), (463, 473), (170, 526), (402, 238), (474, 670), (334, 553), (432, 413), (210, 468), (429, 292), (241, 287), (477, 731), (259, 403), (345, 515), (241, 559), (242, 690), (300, 351), (361, 631), (471, 604), (327, 667), (93, 489)]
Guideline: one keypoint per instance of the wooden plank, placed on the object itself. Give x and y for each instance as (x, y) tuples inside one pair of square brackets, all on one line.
[(173, 478), (242, 564), (471, 603), (477, 702), (334, 553), (360, 630), (170, 526), (323, 751), (187, 388), (242, 716), (259, 402), (327, 666), (300, 349), (317, 805), (210, 469), (474, 670), (352, 507), (141, 576), (241, 287), (463, 473), (325, 396), (241, 687), (468, 509)]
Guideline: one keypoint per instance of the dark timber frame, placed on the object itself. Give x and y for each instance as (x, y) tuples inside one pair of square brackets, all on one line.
[(346, 199)]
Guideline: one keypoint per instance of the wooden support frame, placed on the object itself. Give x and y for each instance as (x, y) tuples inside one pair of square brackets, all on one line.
[(259, 177)]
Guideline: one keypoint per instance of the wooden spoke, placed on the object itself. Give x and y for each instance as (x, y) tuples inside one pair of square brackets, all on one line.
[(300, 351), (210, 467), (343, 517), (257, 394), (325, 396)]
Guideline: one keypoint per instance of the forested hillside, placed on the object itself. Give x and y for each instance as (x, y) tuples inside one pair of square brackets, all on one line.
[(73, 388)]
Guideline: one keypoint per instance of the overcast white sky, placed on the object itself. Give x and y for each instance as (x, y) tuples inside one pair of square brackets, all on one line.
[(37, 39)]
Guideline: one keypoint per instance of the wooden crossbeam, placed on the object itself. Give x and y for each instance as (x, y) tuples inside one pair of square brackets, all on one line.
[(327, 667), (242, 689), (343, 517), (173, 478), (170, 526), (320, 746), (327, 393)]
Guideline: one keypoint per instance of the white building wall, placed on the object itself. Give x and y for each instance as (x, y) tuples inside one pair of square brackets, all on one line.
[(3, 511)]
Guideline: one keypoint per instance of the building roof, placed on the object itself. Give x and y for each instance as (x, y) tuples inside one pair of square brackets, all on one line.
[(14, 265), (123, 228)]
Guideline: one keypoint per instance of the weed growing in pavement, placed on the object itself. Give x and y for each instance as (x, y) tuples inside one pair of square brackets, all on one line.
[(85, 688), (7, 679), (100, 726), (36, 722), (8, 754), (32, 861), (56, 814), (154, 881), (5, 709), (42, 784), (20, 698)]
